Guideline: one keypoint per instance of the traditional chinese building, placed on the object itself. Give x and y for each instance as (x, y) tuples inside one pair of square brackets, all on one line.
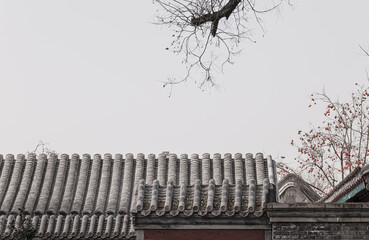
[(293, 189), (353, 188), (171, 197), (341, 214)]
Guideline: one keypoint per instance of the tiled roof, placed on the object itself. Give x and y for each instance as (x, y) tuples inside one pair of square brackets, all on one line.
[(358, 175), (73, 197), (294, 181)]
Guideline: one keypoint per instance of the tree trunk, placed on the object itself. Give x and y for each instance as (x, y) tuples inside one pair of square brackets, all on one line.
[(214, 17)]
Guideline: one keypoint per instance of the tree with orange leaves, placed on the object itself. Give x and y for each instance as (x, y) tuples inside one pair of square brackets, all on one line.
[(332, 150)]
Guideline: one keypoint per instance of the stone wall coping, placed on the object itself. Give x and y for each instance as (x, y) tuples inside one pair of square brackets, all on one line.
[(209, 227), (293, 206), (318, 212)]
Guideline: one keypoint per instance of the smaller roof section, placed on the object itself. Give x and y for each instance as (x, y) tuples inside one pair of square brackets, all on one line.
[(293, 189), (232, 185), (353, 188)]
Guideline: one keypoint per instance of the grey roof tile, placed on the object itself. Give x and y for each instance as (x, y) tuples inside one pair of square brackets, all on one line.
[(80, 198), (13, 184), (25, 184), (6, 174), (358, 175), (81, 184), (294, 181)]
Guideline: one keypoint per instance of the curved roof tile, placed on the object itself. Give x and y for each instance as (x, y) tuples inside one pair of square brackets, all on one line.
[(100, 197), (358, 175), (294, 181)]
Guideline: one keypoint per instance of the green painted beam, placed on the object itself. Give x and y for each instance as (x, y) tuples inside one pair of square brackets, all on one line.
[(352, 193)]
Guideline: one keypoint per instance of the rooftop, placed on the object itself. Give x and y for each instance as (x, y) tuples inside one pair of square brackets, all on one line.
[(104, 196), (293, 181), (356, 184)]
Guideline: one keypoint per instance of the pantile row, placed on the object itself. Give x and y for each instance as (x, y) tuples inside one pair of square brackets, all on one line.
[(74, 195)]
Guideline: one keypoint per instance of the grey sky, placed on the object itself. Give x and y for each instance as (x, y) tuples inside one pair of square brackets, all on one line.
[(85, 77)]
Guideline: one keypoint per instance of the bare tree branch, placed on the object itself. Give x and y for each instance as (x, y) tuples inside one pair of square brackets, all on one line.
[(207, 33), (214, 17)]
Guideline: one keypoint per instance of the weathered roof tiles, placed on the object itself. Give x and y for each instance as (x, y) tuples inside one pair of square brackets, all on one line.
[(293, 188), (359, 176), (100, 197), (225, 193)]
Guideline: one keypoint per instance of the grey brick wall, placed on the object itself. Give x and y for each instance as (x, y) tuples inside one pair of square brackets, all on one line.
[(326, 230)]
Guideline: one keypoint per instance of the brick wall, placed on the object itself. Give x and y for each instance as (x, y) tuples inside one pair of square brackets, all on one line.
[(320, 230), (319, 220), (197, 234)]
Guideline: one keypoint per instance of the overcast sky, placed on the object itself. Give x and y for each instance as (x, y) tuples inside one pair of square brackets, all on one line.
[(85, 76)]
